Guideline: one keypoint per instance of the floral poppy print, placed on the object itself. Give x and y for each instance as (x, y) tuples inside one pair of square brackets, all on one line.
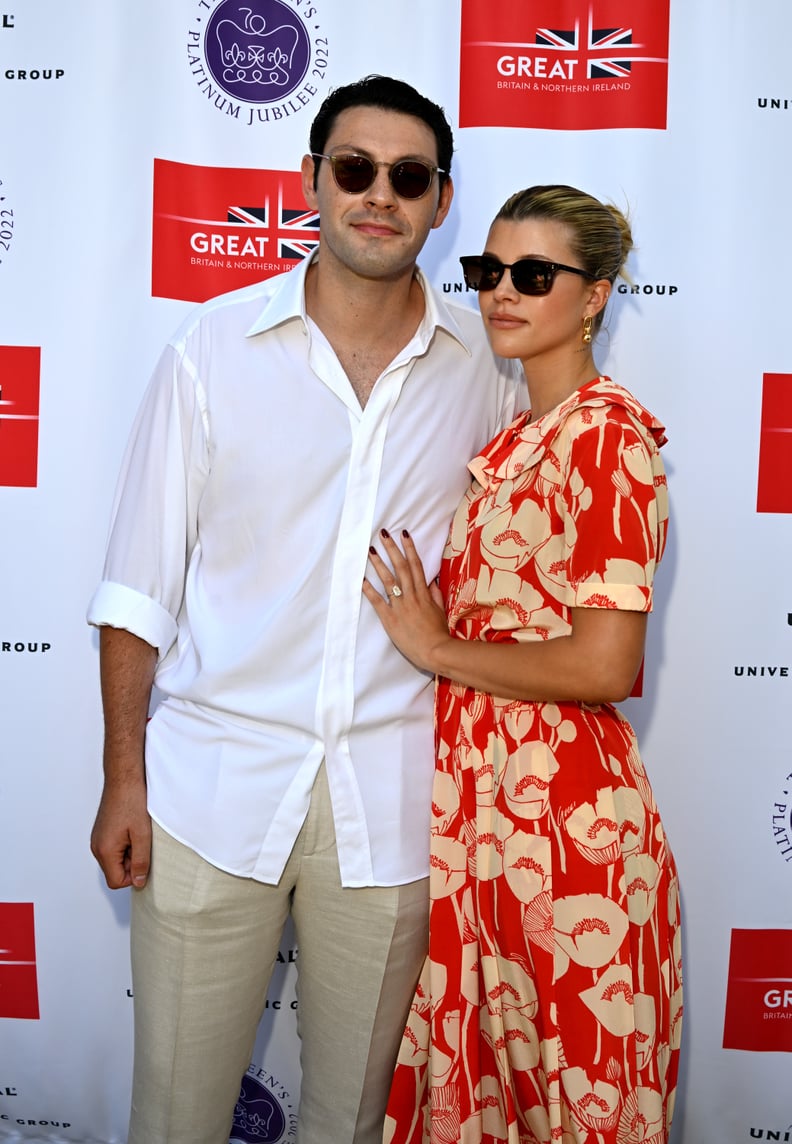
[(549, 1008)]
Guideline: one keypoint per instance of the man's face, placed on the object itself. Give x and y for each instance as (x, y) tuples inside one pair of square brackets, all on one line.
[(376, 233)]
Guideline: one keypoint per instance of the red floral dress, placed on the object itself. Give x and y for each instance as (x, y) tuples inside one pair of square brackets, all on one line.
[(550, 1004)]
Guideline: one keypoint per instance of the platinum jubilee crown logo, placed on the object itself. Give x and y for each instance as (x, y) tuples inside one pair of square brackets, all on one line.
[(257, 61), (265, 1112)]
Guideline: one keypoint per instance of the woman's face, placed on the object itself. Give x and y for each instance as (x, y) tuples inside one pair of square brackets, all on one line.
[(544, 326)]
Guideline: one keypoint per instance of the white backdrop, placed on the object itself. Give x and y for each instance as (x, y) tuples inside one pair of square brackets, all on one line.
[(92, 92)]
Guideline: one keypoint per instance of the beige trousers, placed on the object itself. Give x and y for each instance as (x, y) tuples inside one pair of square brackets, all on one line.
[(204, 944)]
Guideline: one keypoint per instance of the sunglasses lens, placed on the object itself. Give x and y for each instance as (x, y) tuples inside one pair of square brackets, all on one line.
[(411, 179), (353, 173), (471, 272), (481, 273), (530, 276)]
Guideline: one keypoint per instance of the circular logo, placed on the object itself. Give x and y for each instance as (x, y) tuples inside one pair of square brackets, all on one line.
[(259, 1117), (257, 51)]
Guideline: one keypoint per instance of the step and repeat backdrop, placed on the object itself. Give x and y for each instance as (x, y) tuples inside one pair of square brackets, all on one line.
[(148, 160)]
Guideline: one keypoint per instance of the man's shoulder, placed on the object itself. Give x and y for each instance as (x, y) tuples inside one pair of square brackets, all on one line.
[(235, 310)]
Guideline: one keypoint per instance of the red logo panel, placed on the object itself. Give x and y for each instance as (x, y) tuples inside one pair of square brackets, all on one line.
[(18, 985), (774, 492), (220, 228), (574, 65), (20, 368), (759, 998)]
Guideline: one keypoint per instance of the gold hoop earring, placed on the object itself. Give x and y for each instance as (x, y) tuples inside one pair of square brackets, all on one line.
[(588, 322)]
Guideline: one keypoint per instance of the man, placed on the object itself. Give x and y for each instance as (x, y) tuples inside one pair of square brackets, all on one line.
[(288, 766)]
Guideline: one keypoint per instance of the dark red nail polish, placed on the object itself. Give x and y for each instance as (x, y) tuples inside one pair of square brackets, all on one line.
[(405, 533), (372, 550), (384, 532)]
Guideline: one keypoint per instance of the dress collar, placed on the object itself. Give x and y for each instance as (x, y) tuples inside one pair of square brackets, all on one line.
[(523, 444)]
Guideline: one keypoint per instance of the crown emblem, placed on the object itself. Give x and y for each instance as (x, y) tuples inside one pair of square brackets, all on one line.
[(252, 55)]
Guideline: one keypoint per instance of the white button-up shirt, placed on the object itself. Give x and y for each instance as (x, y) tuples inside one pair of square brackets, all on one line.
[(250, 492)]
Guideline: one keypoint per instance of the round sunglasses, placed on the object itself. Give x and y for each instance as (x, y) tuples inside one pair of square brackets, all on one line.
[(529, 275), (410, 178)]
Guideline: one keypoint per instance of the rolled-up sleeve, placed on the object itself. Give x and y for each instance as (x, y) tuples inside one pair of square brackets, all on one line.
[(153, 529)]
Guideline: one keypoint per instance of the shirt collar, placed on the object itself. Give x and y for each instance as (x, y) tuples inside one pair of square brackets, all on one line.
[(287, 302), (438, 315)]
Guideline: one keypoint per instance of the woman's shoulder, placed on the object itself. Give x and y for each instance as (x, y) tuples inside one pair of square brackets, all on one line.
[(602, 403)]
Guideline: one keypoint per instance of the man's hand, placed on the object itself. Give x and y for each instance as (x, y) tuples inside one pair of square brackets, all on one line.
[(121, 836)]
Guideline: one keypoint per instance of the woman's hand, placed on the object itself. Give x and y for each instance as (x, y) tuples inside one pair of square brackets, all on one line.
[(596, 663), (411, 611)]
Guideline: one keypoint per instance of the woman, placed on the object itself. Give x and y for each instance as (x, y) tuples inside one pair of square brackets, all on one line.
[(550, 1002)]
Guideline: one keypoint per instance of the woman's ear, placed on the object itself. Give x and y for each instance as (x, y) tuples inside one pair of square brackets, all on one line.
[(598, 296)]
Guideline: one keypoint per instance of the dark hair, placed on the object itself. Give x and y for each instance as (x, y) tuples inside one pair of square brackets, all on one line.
[(392, 95), (599, 233)]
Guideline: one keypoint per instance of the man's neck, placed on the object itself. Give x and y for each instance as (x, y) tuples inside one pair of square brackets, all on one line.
[(366, 321)]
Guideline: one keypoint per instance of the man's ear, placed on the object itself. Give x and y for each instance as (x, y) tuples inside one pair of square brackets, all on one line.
[(443, 203), (307, 169)]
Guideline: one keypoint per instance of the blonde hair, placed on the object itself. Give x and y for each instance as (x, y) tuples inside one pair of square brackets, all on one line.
[(599, 233)]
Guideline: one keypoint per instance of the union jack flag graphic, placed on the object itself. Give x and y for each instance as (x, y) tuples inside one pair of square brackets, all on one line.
[(250, 216), (564, 64), (219, 228), (297, 233), (305, 225), (598, 49)]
